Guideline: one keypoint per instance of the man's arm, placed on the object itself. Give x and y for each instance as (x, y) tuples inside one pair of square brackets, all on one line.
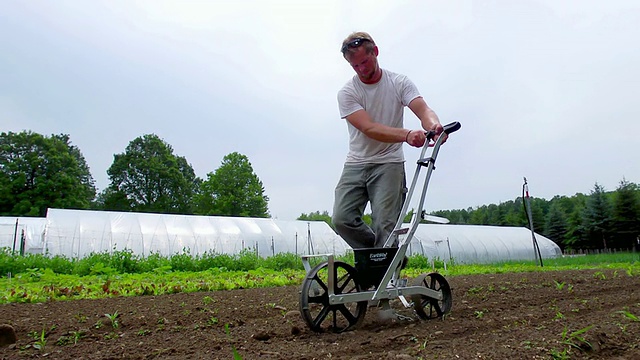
[(362, 121), (428, 118)]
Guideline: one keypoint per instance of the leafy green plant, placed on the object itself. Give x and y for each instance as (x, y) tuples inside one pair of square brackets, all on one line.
[(114, 319), (41, 341), (559, 285)]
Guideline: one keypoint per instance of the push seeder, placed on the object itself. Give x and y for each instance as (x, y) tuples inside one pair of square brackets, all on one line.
[(335, 295)]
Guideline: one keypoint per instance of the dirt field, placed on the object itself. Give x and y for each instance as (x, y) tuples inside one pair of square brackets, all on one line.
[(561, 315)]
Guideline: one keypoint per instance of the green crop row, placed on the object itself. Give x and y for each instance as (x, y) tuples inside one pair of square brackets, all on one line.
[(126, 262)]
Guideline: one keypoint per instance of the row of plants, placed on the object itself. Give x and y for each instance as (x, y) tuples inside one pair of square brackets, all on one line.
[(41, 282), (126, 262), (39, 285)]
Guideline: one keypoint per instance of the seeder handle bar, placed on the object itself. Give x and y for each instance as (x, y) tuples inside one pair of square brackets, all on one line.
[(430, 164)]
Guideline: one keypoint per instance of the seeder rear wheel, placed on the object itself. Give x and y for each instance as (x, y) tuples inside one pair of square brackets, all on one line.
[(314, 299), (429, 308)]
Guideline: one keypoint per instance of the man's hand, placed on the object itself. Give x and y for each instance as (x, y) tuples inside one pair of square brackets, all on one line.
[(416, 138), (439, 130)]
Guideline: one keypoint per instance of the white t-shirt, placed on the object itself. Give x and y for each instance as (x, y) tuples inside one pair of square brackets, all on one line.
[(384, 101)]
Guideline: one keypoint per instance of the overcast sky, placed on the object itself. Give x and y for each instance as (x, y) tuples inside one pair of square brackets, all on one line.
[(546, 89)]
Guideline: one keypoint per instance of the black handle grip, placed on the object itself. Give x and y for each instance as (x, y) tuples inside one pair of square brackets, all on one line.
[(448, 129)]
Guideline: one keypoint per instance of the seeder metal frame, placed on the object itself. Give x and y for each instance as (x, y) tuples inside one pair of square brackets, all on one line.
[(335, 295)]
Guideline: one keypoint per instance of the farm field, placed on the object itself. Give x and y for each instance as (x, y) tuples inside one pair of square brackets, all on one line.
[(570, 314)]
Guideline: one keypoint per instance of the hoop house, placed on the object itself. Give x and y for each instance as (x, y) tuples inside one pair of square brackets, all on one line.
[(77, 233), (479, 243)]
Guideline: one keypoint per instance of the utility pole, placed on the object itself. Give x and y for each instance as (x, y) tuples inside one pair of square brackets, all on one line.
[(527, 207)]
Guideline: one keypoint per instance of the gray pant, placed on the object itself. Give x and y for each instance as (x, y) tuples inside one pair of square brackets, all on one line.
[(384, 185)]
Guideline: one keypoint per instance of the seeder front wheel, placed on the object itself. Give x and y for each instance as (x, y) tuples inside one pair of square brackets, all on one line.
[(314, 299), (430, 308)]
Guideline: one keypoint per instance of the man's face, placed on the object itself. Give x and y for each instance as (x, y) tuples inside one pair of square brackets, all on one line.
[(365, 65)]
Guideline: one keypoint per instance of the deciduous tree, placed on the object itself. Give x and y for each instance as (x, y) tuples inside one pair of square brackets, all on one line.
[(149, 177), (233, 190), (39, 172)]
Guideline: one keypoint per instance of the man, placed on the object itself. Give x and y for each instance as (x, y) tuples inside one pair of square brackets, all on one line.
[(373, 103)]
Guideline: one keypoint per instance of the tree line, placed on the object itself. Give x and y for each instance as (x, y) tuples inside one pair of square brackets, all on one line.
[(599, 220), (39, 172)]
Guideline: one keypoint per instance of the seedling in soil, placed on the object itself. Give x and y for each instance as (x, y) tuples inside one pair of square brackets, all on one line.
[(73, 337), (77, 335), (81, 318), (236, 354), (559, 315), (475, 290), (575, 339), (479, 314), (144, 332), (557, 355), (207, 300), (600, 275), (629, 315), (559, 285), (114, 319), (622, 327), (41, 342), (212, 321)]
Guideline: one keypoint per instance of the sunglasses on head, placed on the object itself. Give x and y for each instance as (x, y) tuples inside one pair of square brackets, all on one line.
[(355, 43)]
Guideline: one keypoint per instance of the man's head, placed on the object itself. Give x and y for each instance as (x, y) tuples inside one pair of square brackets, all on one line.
[(361, 52), (353, 42)]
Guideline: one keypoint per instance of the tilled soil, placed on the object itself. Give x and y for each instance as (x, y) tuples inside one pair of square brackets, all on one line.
[(543, 315)]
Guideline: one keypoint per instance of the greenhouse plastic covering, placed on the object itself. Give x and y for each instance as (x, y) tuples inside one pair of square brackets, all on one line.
[(479, 243), (14, 229), (78, 233)]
